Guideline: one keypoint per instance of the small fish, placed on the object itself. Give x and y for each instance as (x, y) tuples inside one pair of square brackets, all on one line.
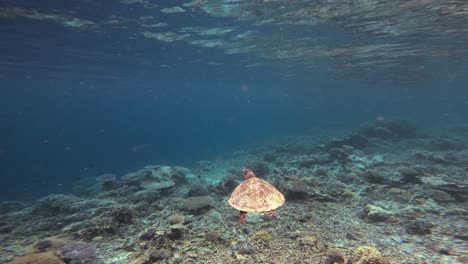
[(89, 167), (139, 147)]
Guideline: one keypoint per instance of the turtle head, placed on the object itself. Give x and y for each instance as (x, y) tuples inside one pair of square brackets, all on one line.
[(248, 173)]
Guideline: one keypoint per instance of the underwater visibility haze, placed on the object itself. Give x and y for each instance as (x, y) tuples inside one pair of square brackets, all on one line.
[(235, 131)]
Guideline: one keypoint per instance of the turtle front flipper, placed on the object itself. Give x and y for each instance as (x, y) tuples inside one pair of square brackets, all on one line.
[(242, 217), (272, 214)]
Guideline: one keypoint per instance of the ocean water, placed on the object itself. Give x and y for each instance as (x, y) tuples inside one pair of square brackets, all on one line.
[(357, 111)]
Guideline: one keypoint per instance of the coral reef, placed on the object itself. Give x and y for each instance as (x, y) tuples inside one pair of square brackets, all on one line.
[(105, 222), (59, 204), (12, 206), (392, 185)]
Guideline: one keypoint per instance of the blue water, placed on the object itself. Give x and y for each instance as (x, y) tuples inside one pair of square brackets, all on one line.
[(78, 102)]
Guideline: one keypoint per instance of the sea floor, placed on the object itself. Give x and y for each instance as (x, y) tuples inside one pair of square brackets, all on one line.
[(390, 192)]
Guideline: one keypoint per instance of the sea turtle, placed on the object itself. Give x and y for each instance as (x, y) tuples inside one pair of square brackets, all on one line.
[(255, 195)]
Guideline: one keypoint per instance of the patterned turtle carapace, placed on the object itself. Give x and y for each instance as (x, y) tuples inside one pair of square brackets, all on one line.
[(255, 195)]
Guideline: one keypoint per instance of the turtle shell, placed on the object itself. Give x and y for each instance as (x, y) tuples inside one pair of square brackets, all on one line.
[(256, 195)]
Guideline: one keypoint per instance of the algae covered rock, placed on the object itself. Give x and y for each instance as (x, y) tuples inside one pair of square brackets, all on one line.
[(76, 252), (197, 203), (439, 196), (38, 258), (458, 191), (297, 189), (378, 214), (418, 227), (374, 177), (410, 175), (156, 184), (176, 219), (155, 177)]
